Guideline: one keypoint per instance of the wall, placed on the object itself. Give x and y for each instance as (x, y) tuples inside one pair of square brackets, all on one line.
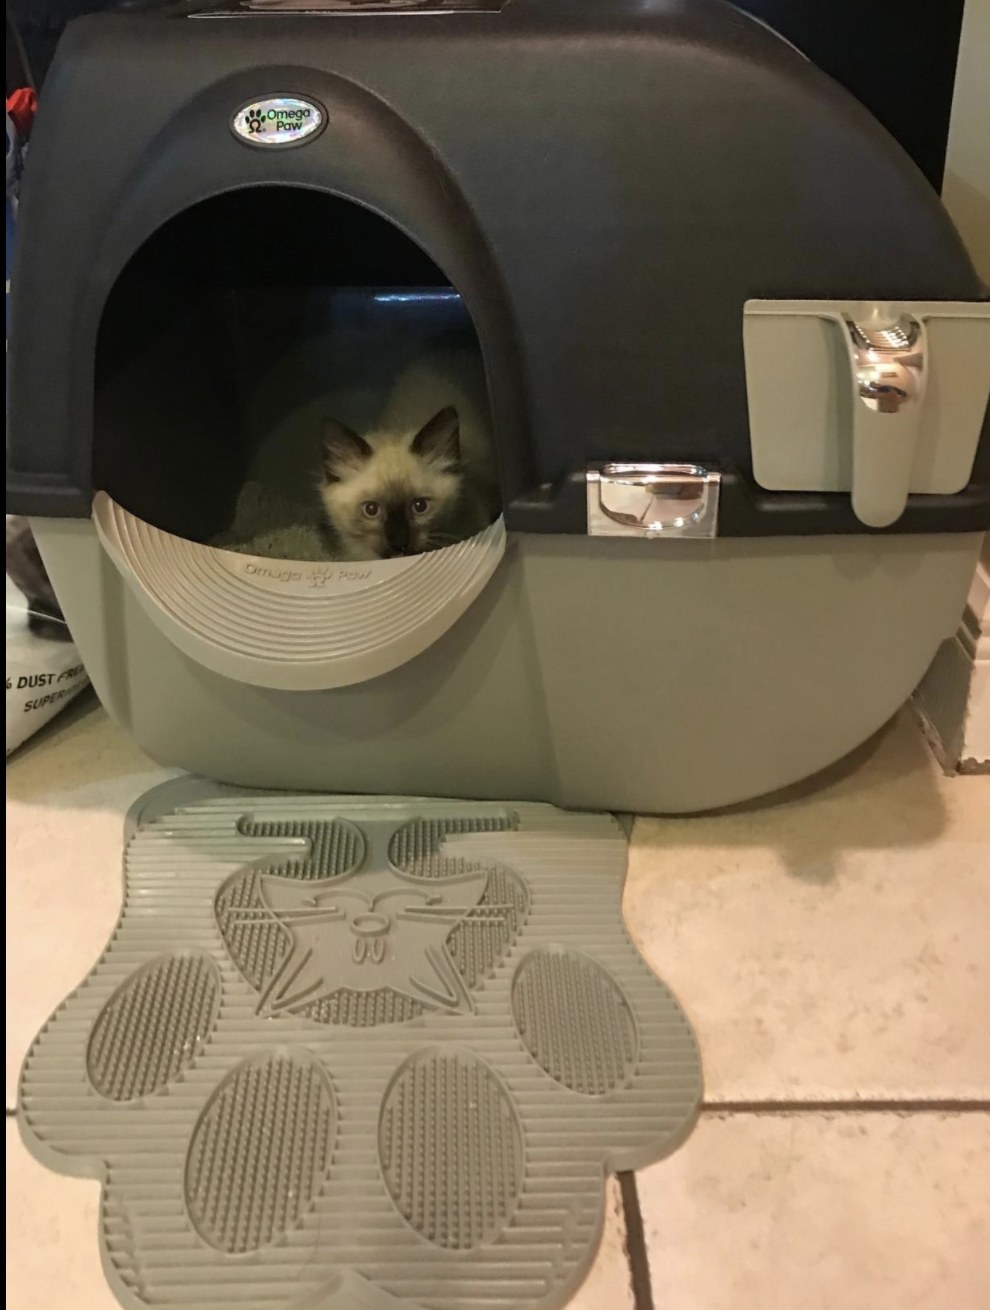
[(966, 190), (954, 697)]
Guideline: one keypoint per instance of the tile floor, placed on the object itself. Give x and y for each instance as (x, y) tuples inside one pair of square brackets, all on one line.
[(832, 948)]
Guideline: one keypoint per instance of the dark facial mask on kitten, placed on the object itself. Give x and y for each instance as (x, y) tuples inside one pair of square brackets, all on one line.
[(386, 495)]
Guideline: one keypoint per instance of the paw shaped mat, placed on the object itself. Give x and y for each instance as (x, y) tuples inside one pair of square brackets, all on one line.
[(349, 1054)]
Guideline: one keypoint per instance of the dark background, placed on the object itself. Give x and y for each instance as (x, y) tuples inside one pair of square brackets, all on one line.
[(899, 59)]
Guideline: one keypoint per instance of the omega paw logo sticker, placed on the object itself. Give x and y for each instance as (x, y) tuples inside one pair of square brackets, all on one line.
[(386, 1053), (278, 121)]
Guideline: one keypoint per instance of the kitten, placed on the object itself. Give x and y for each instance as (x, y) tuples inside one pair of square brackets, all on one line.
[(408, 486)]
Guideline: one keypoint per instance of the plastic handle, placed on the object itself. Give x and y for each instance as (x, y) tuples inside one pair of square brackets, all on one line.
[(889, 365)]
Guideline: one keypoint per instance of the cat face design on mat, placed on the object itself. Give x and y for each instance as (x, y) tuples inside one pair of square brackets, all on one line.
[(388, 495), (366, 932)]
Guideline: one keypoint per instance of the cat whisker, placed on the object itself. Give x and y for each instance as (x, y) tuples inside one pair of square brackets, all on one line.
[(289, 909), (317, 915), (436, 913)]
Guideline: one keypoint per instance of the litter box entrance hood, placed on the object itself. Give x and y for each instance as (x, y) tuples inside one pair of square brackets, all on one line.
[(367, 205), (234, 331)]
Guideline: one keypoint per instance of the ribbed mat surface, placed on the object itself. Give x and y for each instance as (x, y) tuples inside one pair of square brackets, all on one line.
[(348, 1054)]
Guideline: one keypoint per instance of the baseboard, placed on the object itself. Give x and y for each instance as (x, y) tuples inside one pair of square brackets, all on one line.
[(953, 699)]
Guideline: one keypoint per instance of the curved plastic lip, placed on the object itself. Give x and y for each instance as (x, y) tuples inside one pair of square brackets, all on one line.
[(279, 637)]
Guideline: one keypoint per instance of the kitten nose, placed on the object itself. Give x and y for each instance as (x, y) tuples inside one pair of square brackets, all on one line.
[(397, 536)]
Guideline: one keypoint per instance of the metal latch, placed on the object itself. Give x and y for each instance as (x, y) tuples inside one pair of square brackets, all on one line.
[(888, 356), (653, 500)]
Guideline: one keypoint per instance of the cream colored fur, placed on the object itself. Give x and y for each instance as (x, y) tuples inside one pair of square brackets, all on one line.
[(460, 503)]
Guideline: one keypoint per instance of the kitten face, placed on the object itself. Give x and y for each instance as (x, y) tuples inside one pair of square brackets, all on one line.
[(388, 496)]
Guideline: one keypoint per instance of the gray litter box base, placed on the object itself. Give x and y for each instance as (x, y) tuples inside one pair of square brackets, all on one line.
[(360, 1054), (641, 676)]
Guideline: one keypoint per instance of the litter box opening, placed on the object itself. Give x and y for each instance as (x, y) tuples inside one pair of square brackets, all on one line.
[(235, 331), (232, 334)]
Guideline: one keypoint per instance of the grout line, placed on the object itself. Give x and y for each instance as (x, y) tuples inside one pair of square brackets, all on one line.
[(855, 1105), (639, 1262)]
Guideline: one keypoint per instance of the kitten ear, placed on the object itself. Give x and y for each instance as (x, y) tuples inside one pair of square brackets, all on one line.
[(343, 450), (439, 441)]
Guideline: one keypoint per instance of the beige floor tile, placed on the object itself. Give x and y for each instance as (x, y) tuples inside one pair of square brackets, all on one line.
[(53, 1260), (67, 795), (607, 1286), (53, 1257), (817, 1212), (835, 940)]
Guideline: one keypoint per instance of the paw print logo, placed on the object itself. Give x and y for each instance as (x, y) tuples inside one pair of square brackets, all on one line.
[(254, 120), (344, 1048), (319, 577)]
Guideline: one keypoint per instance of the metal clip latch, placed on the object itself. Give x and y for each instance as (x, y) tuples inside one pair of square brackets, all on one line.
[(653, 500), (889, 362)]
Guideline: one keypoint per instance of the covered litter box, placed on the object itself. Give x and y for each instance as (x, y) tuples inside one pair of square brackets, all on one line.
[(736, 359)]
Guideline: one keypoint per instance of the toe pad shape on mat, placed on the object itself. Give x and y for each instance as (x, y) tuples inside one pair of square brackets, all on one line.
[(347, 1054)]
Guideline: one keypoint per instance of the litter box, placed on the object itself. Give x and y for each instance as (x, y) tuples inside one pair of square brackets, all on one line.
[(735, 357)]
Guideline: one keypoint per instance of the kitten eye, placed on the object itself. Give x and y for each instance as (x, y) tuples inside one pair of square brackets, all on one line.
[(371, 509), (420, 505)]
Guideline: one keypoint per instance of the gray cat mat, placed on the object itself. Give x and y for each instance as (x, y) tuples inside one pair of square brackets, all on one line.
[(349, 1054)]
